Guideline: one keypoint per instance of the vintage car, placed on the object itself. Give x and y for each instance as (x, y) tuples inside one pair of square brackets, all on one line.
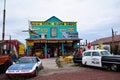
[(25, 66), (99, 58)]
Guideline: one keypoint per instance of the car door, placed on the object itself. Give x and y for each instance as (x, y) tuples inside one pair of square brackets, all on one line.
[(96, 59), (86, 59)]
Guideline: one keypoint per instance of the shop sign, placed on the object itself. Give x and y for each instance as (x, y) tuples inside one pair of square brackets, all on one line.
[(37, 41), (62, 30), (40, 41), (44, 30), (70, 29), (62, 41), (43, 41), (53, 23), (29, 43), (52, 41), (69, 41), (21, 49)]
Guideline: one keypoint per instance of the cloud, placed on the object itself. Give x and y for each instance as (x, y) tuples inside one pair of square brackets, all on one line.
[(93, 17)]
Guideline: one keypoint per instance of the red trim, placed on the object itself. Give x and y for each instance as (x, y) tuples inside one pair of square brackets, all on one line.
[(22, 74)]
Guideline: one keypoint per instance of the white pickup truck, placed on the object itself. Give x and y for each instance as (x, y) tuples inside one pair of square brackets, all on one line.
[(99, 58)]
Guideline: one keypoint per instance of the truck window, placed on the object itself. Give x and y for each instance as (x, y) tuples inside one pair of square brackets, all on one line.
[(95, 54), (87, 54)]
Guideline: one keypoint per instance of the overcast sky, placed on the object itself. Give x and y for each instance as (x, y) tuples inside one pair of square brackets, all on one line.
[(94, 18)]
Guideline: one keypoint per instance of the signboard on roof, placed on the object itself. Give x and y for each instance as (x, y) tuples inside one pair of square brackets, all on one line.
[(53, 23)]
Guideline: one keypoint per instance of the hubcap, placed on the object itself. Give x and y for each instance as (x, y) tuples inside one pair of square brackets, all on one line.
[(114, 67)]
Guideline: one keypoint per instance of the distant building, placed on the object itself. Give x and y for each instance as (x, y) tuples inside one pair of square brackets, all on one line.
[(110, 43), (51, 38)]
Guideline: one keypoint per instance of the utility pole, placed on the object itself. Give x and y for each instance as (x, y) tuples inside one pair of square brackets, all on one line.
[(113, 35), (3, 32)]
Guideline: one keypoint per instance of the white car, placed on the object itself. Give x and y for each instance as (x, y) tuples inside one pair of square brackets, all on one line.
[(99, 58), (94, 57)]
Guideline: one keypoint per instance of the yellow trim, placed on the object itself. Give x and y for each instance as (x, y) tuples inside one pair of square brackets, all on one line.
[(53, 23)]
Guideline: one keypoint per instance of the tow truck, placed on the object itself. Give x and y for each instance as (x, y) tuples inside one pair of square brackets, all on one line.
[(5, 62), (5, 59)]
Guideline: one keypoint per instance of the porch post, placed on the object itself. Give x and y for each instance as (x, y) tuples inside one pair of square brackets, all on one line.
[(45, 50), (62, 49)]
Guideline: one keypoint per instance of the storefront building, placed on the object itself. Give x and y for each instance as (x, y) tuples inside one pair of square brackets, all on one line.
[(51, 38)]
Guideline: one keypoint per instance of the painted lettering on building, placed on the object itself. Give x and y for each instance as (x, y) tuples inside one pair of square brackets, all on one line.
[(53, 23), (44, 30), (70, 29)]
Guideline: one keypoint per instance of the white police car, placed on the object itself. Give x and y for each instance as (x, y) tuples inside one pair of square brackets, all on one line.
[(99, 58)]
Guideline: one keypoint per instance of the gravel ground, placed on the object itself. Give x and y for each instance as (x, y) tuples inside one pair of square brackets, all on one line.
[(70, 72), (81, 73)]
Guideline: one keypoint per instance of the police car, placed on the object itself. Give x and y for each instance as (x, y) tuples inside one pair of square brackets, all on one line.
[(99, 58)]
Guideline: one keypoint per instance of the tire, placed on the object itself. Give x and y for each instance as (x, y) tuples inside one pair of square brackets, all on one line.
[(114, 67), (36, 73), (6, 65)]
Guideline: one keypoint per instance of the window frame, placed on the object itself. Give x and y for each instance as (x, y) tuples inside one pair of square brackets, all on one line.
[(95, 54), (53, 34), (87, 54)]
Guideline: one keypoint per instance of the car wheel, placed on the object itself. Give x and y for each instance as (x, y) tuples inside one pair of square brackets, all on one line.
[(6, 65), (36, 72), (114, 67)]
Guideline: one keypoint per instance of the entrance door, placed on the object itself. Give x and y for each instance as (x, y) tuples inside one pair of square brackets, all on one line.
[(53, 49), (38, 49)]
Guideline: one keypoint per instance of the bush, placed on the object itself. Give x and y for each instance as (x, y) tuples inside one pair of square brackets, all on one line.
[(58, 62)]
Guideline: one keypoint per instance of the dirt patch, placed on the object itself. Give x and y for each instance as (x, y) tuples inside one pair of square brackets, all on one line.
[(66, 68)]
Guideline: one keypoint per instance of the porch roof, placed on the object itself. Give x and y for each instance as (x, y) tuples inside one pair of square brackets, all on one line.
[(55, 39)]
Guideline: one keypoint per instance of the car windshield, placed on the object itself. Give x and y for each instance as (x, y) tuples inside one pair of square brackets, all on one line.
[(26, 60), (105, 53)]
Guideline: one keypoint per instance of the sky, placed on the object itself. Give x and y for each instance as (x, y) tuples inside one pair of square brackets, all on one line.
[(95, 18)]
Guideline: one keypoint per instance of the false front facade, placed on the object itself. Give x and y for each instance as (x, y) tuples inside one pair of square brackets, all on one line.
[(51, 38)]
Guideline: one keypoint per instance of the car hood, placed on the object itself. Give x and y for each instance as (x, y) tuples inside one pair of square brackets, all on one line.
[(26, 66)]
